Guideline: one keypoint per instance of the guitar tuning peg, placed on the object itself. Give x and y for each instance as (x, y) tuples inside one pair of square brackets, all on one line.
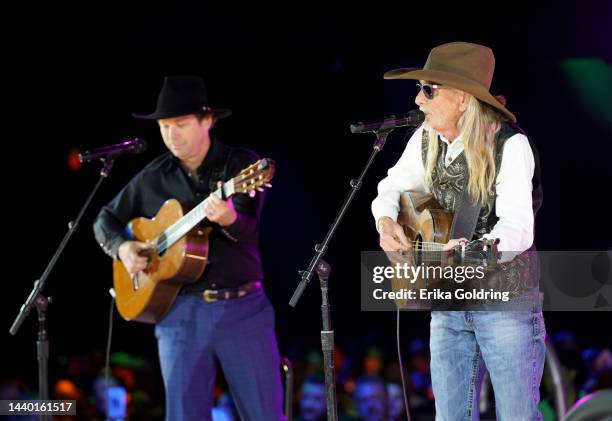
[(268, 185), (252, 194), (259, 189)]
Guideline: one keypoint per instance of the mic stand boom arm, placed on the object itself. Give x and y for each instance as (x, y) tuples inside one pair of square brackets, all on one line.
[(321, 248)]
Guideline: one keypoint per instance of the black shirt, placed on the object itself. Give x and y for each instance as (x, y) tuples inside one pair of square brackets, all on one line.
[(233, 257)]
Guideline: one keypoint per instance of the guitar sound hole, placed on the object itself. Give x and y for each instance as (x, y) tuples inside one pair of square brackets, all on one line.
[(161, 245)]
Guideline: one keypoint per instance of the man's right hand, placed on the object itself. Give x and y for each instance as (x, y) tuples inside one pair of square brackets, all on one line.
[(392, 237), (134, 255)]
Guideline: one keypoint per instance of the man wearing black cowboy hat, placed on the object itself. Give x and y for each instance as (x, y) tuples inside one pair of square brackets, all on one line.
[(469, 144), (236, 329)]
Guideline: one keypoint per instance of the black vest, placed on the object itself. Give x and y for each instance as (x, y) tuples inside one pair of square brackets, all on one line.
[(448, 182), (447, 186)]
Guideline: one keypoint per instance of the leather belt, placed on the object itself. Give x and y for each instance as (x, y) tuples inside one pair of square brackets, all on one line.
[(212, 295)]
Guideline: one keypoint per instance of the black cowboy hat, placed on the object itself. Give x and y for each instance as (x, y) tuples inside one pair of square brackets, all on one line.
[(182, 95)]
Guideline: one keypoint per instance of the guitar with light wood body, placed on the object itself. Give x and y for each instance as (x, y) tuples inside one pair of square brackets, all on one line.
[(179, 250)]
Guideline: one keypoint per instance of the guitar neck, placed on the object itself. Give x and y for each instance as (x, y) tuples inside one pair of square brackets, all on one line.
[(254, 177), (428, 246), (192, 218), (429, 252)]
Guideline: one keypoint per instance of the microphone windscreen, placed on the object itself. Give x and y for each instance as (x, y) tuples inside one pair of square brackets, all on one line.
[(416, 116)]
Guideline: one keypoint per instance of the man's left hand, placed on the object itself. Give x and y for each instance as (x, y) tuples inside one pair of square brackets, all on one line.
[(220, 211), (454, 243)]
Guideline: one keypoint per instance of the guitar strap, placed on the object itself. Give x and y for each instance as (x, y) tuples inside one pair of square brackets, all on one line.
[(466, 216)]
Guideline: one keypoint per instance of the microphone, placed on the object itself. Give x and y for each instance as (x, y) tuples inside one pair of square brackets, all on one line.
[(131, 145), (412, 118)]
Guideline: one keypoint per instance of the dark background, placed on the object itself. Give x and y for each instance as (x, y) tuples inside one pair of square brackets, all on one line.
[(296, 77)]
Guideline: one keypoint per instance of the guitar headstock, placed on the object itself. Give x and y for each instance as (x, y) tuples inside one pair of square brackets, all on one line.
[(254, 177)]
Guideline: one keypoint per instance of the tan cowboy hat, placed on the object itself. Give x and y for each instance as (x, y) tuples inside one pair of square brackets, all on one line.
[(461, 65)]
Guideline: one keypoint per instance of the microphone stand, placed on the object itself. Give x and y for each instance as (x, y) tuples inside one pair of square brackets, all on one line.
[(327, 344), (323, 269), (36, 298)]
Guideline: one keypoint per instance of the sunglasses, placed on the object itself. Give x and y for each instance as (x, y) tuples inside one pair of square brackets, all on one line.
[(428, 89)]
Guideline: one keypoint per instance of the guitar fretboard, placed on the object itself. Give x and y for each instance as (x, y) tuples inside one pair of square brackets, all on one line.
[(196, 215)]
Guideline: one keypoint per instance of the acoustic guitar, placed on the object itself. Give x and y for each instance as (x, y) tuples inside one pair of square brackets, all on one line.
[(179, 251), (427, 226)]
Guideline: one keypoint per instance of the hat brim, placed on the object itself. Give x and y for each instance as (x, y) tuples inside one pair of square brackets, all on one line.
[(157, 115), (459, 82)]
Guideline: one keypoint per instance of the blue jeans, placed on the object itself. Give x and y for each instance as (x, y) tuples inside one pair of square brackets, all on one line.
[(509, 344), (239, 333)]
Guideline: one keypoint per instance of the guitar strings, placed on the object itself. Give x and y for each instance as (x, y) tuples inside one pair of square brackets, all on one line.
[(170, 234)]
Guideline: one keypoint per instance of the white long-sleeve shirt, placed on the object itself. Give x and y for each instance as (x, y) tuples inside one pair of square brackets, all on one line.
[(513, 186)]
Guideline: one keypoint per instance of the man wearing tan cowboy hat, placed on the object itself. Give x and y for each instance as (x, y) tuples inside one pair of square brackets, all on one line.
[(468, 141), (224, 316)]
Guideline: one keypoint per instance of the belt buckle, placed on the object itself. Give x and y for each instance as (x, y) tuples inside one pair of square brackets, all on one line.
[(207, 296)]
